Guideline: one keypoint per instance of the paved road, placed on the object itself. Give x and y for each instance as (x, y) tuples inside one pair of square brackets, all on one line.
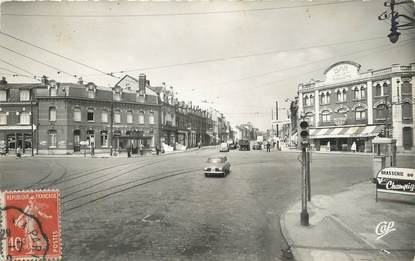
[(163, 208)]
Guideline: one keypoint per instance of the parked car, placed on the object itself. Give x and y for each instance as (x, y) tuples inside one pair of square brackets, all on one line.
[(232, 146), (257, 146), (217, 166), (223, 147), (244, 145)]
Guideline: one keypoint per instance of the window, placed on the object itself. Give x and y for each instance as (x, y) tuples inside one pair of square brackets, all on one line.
[(385, 89), (356, 93), (24, 118), (52, 114), (24, 95), (104, 139), (378, 90), (53, 91), (309, 117), (91, 94), (151, 118), (141, 117), (52, 139), (406, 110), (339, 96), (405, 87), (360, 113), (325, 116), (381, 112), (129, 117), (117, 96), (90, 115), (117, 116), (104, 116), (306, 101), (77, 114), (3, 95), (311, 100), (3, 118), (362, 92), (325, 98)]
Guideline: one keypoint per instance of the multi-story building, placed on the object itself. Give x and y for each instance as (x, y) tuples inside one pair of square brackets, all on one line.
[(350, 106), (18, 115), (73, 115)]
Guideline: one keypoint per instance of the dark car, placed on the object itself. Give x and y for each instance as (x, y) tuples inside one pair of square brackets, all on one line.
[(217, 166), (257, 146), (232, 146), (244, 145)]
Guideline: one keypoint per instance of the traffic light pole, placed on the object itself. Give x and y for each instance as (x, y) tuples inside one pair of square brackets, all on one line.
[(304, 217), (308, 160)]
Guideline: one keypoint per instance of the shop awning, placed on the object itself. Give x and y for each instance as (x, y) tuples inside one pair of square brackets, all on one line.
[(18, 127), (346, 132)]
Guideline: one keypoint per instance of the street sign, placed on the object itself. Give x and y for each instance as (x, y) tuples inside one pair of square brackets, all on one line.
[(396, 180)]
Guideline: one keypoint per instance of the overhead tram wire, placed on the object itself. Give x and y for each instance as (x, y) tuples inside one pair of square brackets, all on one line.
[(248, 55), (179, 14), (43, 63), (57, 54), (382, 49), (17, 67)]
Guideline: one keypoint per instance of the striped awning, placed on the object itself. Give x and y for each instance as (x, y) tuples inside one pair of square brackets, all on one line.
[(346, 132)]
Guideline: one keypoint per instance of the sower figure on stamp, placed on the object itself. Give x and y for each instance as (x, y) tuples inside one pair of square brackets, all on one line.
[(34, 238)]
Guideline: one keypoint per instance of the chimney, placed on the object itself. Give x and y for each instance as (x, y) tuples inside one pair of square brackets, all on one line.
[(148, 83), (3, 80), (44, 80), (142, 81), (80, 80)]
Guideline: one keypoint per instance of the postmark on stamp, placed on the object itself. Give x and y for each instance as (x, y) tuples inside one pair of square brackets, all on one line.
[(30, 227)]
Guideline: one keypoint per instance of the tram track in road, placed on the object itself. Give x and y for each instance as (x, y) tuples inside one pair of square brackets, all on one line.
[(109, 178), (153, 178), (50, 172)]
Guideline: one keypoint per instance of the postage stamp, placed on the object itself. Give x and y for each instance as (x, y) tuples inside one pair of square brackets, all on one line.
[(30, 227)]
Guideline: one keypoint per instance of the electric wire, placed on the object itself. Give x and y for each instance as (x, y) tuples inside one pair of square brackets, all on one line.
[(17, 67), (178, 14), (57, 54)]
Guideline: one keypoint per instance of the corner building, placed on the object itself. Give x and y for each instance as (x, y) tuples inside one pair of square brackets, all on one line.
[(352, 106)]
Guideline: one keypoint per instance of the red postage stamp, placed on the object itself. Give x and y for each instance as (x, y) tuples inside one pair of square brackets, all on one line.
[(31, 225)]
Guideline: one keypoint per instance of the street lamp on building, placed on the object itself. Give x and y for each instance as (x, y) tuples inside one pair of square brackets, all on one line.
[(394, 16)]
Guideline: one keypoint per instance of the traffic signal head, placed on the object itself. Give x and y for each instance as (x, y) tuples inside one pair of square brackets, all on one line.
[(304, 133)]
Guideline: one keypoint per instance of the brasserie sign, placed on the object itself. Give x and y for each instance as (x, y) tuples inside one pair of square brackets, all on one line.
[(396, 180)]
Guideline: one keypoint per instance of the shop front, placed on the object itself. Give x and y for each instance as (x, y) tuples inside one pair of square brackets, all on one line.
[(344, 138), (13, 137)]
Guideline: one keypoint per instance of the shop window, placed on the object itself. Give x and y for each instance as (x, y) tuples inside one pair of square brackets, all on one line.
[(325, 116), (104, 116), (381, 112), (24, 118), (117, 116), (77, 114), (52, 114), (406, 110), (90, 115), (151, 118), (141, 117), (52, 139), (3, 95), (104, 139), (129, 117), (24, 95), (360, 113), (3, 118)]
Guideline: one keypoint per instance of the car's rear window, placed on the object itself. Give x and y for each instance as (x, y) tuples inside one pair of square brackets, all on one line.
[(216, 160)]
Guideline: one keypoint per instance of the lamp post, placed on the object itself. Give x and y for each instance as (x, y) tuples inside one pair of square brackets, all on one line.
[(31, 118), (111, 123), (394, 15)]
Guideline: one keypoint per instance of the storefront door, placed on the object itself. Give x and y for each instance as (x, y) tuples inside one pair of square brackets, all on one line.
[(407, 138)]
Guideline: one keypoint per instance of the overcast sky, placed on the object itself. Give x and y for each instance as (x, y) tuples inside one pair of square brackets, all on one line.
[(247, 54)]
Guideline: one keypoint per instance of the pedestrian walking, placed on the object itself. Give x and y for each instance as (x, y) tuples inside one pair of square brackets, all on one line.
[(268, 147), (353, 148), (18, 153), (129, 152), (199, 144)]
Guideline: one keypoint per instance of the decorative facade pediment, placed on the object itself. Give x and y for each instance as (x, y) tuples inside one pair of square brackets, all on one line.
[(359, 104), (342, 107), (376, 104)]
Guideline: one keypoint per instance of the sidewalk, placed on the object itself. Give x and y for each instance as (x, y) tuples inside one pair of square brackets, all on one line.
[(106, 155), (343, 227)]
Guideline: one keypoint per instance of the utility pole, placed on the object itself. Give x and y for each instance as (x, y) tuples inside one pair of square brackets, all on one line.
[(31, 119), (276, 116), (111, 123)]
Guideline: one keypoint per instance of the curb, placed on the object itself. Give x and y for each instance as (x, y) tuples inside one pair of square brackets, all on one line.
[(285, 233)]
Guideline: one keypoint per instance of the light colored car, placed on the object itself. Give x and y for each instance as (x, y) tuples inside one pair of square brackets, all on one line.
[(217, 166), (223, 147)]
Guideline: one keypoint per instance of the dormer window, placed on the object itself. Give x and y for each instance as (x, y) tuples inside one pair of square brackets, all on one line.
[(141, 97), (24, 95), (53, 90), (117, 96), (91, 89)]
